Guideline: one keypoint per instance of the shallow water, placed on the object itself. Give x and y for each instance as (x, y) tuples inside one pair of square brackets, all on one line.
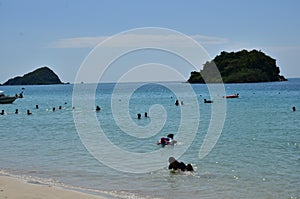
[(256, 156)]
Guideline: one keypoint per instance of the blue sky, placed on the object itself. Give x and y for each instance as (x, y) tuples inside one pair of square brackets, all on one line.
[(60, 33)]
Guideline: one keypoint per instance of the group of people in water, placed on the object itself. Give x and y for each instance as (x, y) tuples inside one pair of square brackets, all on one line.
[(37, 107), (28, 112), (20, 95), (177, 103), (175, 165), (139, 116)]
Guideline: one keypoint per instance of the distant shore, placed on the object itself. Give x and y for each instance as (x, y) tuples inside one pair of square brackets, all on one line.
[(13, 188)]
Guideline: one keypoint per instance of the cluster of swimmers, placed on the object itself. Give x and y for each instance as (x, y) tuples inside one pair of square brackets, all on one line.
[(16, 112), (175, 165), (139, 116), (177, 103), (19, 95), (28, 112), (37, 107)]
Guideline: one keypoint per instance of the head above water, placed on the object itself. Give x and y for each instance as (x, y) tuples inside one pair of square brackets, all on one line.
[(171, 159), (171, 136)]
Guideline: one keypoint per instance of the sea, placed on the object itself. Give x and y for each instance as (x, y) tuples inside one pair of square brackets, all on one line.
[(253, 151)]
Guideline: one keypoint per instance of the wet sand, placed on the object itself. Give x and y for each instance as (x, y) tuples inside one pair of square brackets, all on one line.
[(12, 188)]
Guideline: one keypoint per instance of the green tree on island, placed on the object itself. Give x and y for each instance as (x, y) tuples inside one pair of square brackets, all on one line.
[(239, 67)]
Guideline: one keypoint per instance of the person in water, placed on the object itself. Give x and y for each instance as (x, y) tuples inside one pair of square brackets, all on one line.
[(169, 140), (175, 165), (98, 108), (163, 141), (139, 116)]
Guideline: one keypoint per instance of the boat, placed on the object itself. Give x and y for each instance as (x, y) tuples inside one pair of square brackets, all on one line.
[(5, 99), (208, 101), (169, 140), (233, 96)]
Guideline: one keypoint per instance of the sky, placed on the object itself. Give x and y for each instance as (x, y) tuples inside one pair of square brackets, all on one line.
[(61, 34)]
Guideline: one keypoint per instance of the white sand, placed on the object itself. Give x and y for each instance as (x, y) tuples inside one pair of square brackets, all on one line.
[(12, 188)]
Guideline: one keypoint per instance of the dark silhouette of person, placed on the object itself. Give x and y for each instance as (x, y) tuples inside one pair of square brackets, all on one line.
[(98, 108), (189, 167), (59, 107), (37, 106), (17, 111), (177, 103), (21, 95), (294, 108), (175, 165), (163, 141), (28, 112), (171, 135), (182, 166), (2, 112), (146, 114), (139, 116)]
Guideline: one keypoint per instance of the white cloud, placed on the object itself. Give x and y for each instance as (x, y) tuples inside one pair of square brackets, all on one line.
[(129, 40), (77, 42)]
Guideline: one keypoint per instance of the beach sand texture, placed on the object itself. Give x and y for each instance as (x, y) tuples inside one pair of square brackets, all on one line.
[(11, 188)]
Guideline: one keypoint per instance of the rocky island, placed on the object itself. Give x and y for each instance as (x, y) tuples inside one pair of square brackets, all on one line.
[(41, 76), (239, 67)]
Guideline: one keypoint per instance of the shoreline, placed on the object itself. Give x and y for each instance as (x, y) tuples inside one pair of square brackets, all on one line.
[(14, 188)]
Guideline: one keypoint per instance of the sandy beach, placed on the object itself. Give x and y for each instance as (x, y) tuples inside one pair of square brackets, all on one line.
[(12, 188)]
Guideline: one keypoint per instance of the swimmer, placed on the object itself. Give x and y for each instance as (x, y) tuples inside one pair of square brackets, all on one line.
[(179, 166), (98, 108), (139, 116)]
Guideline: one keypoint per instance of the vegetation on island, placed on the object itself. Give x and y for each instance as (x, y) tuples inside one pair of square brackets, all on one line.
[(41, 76), (238, 67)]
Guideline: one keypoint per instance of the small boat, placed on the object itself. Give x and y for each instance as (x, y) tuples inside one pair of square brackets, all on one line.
[(5, 99), (169, 140), (233, 96), (208, 101)]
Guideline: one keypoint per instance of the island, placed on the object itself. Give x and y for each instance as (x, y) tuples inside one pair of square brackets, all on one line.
[(239, 67), (40, 76)]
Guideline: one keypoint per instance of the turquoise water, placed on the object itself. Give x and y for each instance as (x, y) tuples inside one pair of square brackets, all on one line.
[(256, 156)]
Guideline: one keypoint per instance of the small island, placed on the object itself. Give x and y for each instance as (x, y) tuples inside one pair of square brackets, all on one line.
[(41, 76), (239, 67)]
